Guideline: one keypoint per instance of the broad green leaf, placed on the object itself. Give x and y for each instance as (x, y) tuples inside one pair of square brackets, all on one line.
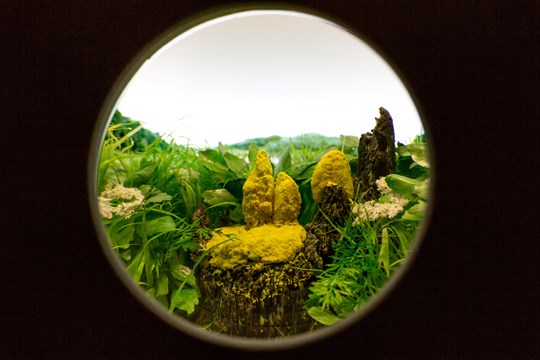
[(143, 175), (252, 155), (236, 215), (285, 161), (422, 189), (416, 212), (158, 225), (136, 266), (153, 195), (183, 273), (218, 196), (214, 161), (419, 154), (162, 287), (402, 150), (184, 299), (303, 172), (402, 185), (148, 267), (384, 256), (238, 166), (121, 234), (323, 316)]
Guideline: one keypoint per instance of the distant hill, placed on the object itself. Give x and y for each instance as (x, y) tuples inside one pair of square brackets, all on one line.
[(276, 143)]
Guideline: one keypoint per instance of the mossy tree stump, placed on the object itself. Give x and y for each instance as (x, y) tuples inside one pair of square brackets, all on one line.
[(256, 300), (255, 280)]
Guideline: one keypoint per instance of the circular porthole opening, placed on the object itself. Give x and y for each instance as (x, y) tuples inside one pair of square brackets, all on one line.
[(260, 179)]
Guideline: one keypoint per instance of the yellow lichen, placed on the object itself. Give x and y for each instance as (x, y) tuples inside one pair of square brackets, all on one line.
[(287, 200), (332, 169), (263, 244), (258, 193)]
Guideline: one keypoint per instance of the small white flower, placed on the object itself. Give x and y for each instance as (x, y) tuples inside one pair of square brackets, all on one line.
[(373, 210), (127, 200)]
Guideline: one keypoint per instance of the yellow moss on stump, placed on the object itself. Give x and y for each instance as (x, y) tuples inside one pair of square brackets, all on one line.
[(263, 244), (287, 200), (258, 193), (332, 169)]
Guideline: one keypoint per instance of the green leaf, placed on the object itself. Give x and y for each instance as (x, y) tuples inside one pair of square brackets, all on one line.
[(402, 185), (402, 150), (184, 299), (219, 197), (153, 195), (121, 234), (136, 266), (422, 189), (184, 273), (252, 155), (419, 154), (237, 165), (236, 215), (214, 161), (158, 225), (323, 316), (148, 267), (416, 212), (303, 172), (384, 256), (285, 161), (144, 173), (162, 287)]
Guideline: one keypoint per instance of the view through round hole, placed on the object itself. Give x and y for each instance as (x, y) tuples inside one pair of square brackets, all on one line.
[(263, 175)]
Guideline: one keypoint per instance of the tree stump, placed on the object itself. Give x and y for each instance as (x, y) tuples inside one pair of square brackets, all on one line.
[(334, 210), (256, 300), (376, 156)]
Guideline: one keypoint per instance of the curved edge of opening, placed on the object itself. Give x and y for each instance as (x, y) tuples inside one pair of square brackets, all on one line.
[(185, 326)]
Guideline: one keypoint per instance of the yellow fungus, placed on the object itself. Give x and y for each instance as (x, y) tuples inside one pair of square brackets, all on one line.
[(263, 244), (332, 169), (258, 193), (287, 200)]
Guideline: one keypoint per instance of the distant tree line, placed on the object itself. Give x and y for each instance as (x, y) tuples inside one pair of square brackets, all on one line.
[(139, 140)]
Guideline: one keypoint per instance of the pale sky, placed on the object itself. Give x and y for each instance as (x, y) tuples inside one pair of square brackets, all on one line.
[(257, 74)]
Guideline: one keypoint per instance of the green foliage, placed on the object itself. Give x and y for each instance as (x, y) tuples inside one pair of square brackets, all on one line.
[(154, 242), (138, 140), (157, 240), (368, 253), (275, 145)]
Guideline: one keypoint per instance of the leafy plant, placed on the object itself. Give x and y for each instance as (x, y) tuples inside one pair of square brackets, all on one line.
[(154, 243), (157, 239), (369, 252)]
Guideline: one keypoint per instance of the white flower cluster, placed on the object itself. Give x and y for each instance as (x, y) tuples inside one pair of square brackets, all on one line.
[(119, 201), (374, 209)]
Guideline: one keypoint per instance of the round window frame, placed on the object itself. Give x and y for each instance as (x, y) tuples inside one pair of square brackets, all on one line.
[(185, 326)]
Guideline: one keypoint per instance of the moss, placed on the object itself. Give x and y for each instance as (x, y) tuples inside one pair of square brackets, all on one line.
[(287, 200), (258, 193), (263, 244), (332, 169)]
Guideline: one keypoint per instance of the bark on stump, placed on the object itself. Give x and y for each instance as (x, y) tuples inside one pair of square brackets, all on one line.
[(334, 209), (256, 300), (376, 156)]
